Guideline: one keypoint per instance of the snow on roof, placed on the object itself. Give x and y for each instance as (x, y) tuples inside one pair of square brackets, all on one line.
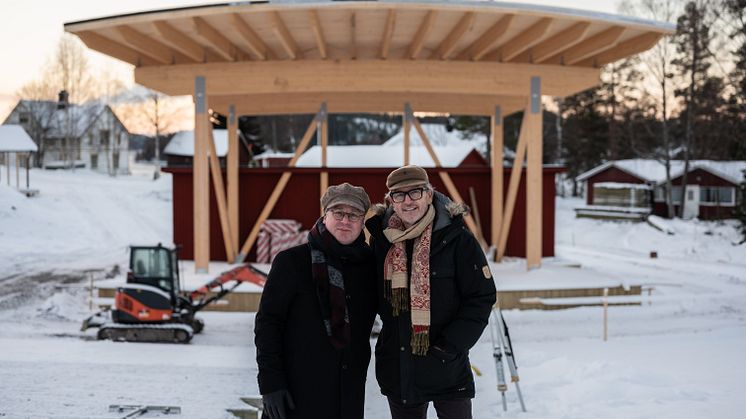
[(438, 136), (654, 171), (182, 144), (75, 119), (383, 156), (13, 138)]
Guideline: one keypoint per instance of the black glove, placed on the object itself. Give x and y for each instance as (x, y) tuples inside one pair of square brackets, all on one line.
[(277, 403)]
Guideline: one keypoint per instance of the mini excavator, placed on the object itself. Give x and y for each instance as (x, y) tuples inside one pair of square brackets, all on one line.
[(152, 307)]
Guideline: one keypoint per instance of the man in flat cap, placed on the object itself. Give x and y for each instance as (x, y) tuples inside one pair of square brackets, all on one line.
[(435, 296), (315, 317)]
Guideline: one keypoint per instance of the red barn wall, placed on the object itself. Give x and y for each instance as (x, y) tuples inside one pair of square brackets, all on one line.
[(300, 201)]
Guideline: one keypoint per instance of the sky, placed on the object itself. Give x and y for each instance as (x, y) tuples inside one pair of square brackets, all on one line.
[(31, 29)]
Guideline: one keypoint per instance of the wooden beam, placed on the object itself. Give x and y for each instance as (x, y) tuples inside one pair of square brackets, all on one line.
[(201, 179), (308, 103), (534, 151), (353, 36), (448, 44), (368, 76), (419, 37), (277, 191), (324, 175), (407, 127), (496, 179), (146, 45), (317, 32), (560, 42), (446, 178), (478, 48), (220, 43), (521, 42), (113, 48), (388, 32), (590, 46), (255, 43), (623, 49), (219, 189), (232, 162), (286, 39), (180, 41), (515, 178)]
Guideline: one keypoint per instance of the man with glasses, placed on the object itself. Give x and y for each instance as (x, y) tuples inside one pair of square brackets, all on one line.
[(315, 317), (435, 295)]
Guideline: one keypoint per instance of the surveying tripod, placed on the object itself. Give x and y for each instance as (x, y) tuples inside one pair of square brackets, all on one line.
[(502, 347)]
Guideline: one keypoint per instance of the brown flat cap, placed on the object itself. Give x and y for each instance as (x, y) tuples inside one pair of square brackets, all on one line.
[(346, 194), (407, 176)]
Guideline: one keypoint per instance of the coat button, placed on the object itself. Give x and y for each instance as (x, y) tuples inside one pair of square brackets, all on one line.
[(347, 297), (404, 402), (402, 349), (344, 367)]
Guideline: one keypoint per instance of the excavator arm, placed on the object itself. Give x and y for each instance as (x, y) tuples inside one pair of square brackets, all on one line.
[(224, 284)]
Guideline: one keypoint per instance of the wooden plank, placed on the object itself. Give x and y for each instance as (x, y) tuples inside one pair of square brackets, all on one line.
[(446, 179), (277, 191), (113, 48), (180, 41), (558, 43), (232, 173), (521, 42), (324, 176), (286, 39), (368, 76), (146, 45), (515, 178), (219, 189), (448, 44), (407, 128), (353, 36), (253, 40), (534, 205), (481, 45), (388, 32), (625, 49), (593, 45), (496, 178), (318, 32), (201, 179), (475, 211), (419, 38), (220, 43)]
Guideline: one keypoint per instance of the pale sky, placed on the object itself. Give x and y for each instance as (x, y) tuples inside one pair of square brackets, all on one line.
[(30, 31)]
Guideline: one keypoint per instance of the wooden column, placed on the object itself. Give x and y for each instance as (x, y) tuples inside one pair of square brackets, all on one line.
[(200, 179), (534, 202), (496, 181), (232, 174), (219, 189), (406, 127), (324, 139)]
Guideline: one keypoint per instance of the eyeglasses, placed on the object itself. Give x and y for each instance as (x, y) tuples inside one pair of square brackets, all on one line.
[(414, 195), (340, 215)]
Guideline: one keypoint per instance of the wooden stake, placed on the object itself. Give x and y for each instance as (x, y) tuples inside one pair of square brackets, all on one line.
[(219, 188)]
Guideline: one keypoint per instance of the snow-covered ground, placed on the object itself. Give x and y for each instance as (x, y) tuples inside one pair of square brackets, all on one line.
[(680, 354)]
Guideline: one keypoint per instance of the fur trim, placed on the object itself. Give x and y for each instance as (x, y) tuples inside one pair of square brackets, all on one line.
[(457, 208), (378, 209)]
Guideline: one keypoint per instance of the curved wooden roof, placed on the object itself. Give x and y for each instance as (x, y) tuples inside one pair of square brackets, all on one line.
[(391, 44)]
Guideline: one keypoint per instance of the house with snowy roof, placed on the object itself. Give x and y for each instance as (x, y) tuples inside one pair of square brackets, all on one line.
[(637, 187), (180, 149), (70, 135)]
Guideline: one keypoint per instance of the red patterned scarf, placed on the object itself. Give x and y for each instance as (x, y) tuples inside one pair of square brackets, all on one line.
[(398, 292)]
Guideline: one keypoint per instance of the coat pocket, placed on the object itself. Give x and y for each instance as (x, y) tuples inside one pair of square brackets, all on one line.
[(438, 375)]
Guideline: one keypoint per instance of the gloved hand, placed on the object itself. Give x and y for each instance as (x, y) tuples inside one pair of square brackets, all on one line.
[(277, 403)]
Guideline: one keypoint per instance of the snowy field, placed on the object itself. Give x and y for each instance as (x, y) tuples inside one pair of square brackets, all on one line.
[(680, 354)]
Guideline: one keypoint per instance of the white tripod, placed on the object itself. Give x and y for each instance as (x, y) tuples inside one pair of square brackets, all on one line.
[(501, 346)]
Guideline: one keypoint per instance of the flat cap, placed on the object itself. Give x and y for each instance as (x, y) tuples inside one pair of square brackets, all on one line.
[(405, 176), (346, 194)]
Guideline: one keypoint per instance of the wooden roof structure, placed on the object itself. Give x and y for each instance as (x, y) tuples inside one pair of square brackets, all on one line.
[(313, 56)]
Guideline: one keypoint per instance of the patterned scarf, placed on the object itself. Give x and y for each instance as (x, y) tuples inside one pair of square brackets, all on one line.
[(326, 269), (396, 287)]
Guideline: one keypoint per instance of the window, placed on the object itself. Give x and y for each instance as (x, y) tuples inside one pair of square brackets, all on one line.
[(23, 118), (676, 194), (716, 195), (104, 135)]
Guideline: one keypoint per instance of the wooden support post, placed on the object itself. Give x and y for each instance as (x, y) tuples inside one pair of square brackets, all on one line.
[(534, 178), (28, 162), (18, 171), (219, 188), (407, 128), (279, 187), (496, 181), (324, 128), (515, 178), (445, 177), (200, 179), (232, 174)]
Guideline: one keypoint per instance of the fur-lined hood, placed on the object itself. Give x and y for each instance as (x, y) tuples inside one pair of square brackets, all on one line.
[(445, 210)]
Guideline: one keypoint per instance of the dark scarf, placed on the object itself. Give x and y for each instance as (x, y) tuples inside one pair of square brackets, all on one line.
[(327, 255)]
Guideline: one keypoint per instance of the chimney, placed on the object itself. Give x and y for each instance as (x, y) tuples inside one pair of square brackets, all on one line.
[(62, 99)]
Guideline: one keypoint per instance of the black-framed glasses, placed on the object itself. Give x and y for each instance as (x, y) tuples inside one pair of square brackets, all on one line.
[(414, 195), (340, 215)]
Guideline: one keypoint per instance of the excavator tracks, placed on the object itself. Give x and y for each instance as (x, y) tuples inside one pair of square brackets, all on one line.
[(154, 333)]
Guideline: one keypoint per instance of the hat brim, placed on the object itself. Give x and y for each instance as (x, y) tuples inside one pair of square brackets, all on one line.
[(408, 183), (342, 201)]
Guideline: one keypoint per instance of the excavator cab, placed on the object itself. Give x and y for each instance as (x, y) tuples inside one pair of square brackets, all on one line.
[(154, 265)]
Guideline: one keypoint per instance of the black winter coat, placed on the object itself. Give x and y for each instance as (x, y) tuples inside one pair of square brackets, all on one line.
[(462, 294), (293, 350)]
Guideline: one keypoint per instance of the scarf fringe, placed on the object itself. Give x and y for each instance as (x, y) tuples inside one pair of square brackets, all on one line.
[(399, 299), (420, 342)]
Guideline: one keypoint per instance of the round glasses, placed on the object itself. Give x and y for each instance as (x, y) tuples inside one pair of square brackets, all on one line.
[(340, 215), (414, 195)]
